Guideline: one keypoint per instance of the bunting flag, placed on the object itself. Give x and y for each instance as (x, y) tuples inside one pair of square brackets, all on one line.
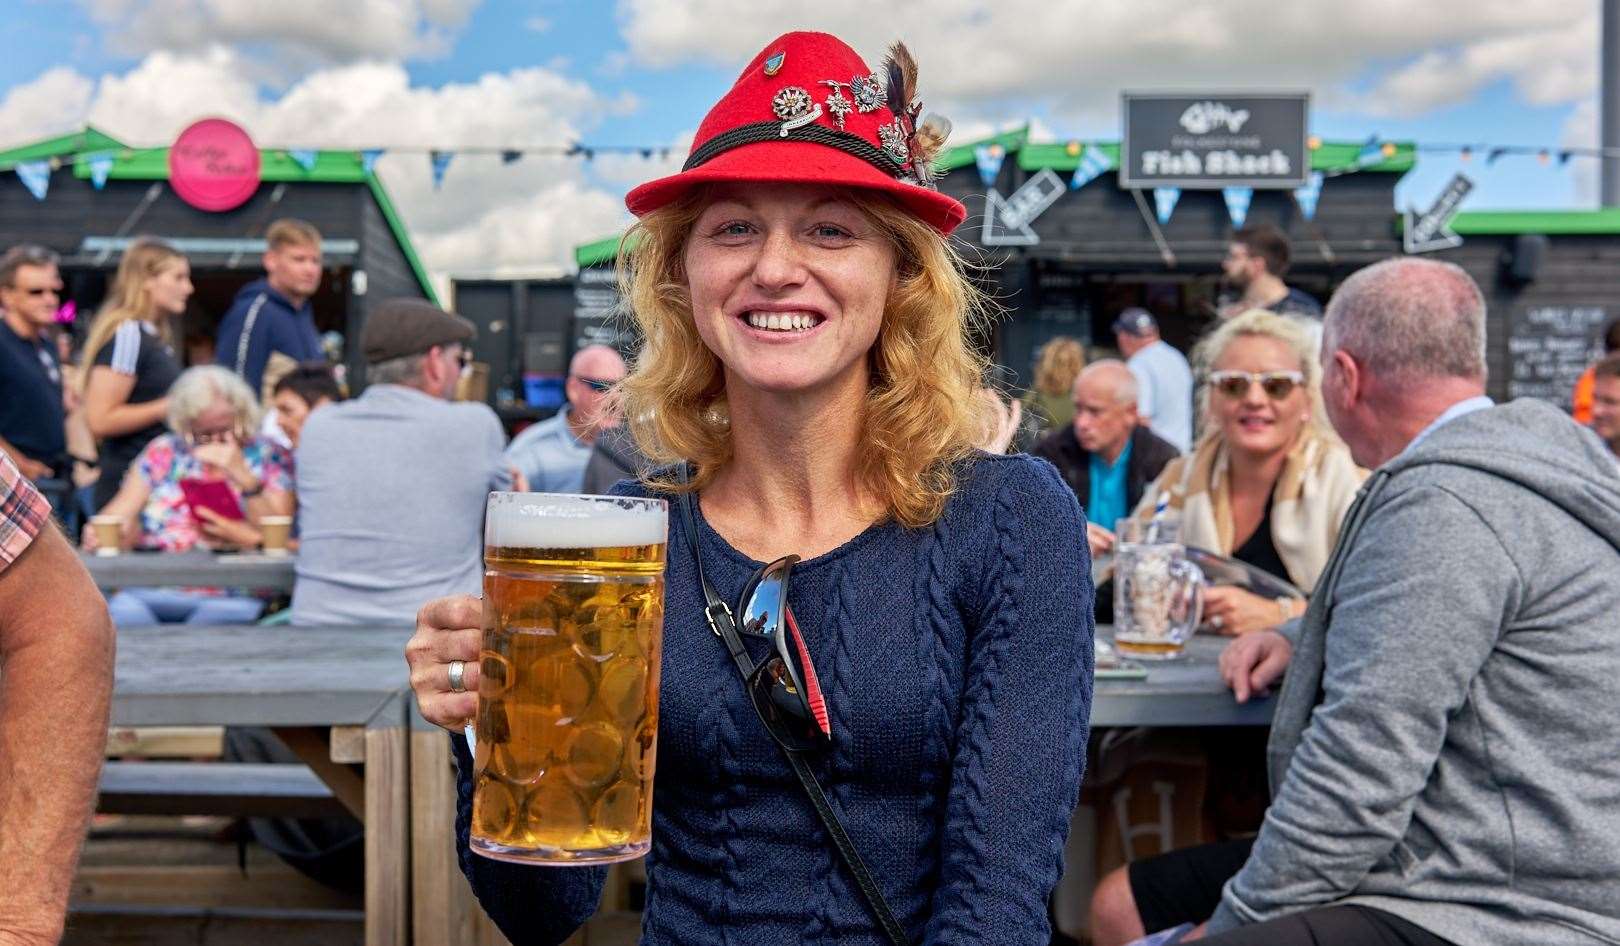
[(368, 160), (511, 157), (1237, 204), (1308, 194), (100, 165), (1093, 164), (1164, 201), (1372, 152), (305, 157), (441, 162), (36, 176), (989, 158)]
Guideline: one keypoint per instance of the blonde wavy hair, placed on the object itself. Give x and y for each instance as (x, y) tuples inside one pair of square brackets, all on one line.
[(1264, 324), (128, 299), (1057, 364), (921, 418)]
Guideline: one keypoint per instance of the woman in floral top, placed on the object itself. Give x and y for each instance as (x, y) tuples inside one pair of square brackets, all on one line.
[(211, 416)]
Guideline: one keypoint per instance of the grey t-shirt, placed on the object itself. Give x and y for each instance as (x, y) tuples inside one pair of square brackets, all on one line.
[(391, 493)]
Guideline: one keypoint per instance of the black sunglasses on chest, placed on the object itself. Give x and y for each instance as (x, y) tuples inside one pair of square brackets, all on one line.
[(785, 694)]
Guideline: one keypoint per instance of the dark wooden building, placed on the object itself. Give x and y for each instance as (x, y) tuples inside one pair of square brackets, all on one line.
[(367, 253), (1551, 278)]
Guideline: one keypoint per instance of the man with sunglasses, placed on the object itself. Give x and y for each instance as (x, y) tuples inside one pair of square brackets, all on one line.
[(1439, 754), (32, 417), (552, 454)]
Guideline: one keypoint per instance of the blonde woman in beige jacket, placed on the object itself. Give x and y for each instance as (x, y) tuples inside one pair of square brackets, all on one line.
[(1267, 483)]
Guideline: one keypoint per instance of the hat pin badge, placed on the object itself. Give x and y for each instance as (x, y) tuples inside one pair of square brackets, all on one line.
[(773, 65), (837, 103), (793, 106), (869, 93)]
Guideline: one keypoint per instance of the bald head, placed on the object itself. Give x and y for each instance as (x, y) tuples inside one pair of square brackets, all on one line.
[(598, 362), (1406, 320), (591, 372), (1105, 408), (1109, 379)]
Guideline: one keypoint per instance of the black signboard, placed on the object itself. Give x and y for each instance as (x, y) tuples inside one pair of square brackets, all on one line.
[(1549, 348), (1209, 141)]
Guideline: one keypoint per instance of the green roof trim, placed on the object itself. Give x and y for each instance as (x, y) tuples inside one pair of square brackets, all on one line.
[(152, 164), (600, 252), (397, 226), (960, 156), (90, 139), (1601, 222)]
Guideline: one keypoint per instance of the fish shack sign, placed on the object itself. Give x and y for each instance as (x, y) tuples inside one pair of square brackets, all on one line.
[(1210, 141)]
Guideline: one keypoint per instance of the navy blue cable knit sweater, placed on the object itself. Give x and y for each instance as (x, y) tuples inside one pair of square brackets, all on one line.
[(957, 663)]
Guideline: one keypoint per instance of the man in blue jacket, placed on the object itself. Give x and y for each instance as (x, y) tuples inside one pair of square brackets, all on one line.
[(274, 314)]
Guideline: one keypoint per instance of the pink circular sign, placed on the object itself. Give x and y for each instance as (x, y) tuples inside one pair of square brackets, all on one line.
[(213, 165)]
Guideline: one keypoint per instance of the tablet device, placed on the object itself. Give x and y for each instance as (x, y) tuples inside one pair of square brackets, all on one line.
[(211, 494)]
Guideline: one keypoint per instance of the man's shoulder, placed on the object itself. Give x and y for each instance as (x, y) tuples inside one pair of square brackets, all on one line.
[(1298, 302), (1152, 450), (1060, 442), (538, 432)]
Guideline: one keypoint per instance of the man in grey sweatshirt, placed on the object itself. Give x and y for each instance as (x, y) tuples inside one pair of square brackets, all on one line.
[(1442, 758)]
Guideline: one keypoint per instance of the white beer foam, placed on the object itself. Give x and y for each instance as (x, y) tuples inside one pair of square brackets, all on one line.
[(554, 521)]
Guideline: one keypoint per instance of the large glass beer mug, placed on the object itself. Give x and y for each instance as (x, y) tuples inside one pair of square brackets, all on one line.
[(1158, 593), (568, 692)]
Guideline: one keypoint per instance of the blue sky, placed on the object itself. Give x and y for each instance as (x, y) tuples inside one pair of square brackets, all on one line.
[(642, 72)]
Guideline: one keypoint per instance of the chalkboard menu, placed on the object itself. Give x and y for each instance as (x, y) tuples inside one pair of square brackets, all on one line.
[(1549, 348), (597, 319)]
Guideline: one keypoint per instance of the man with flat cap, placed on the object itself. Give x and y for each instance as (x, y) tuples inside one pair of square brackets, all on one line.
[(391, 485)]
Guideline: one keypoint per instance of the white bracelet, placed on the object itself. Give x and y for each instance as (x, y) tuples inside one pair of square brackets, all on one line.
[(1285, 610)]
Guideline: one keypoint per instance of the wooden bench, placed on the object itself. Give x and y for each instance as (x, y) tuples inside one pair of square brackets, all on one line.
[(215, 788)]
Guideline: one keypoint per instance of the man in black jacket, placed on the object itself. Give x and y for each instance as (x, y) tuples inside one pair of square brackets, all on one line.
[(1105, 455)]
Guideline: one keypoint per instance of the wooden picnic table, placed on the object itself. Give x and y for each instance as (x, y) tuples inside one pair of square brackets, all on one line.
[(335, 695), (194, 569)]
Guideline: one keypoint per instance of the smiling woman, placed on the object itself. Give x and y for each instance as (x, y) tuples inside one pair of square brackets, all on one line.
[(806, 375), (1268, 482)]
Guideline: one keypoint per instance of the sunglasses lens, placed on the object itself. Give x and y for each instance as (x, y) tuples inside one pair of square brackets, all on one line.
[(765, 600), (1233, 386), (1277, 387), (781, 706)]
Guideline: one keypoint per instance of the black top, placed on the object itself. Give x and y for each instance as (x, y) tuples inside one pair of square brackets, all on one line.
[(1150, 454), (136, 350), (31, 415), (1260, 551)]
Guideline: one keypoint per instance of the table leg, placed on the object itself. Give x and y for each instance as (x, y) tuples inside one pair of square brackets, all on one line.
[(444, 911), (312, 747), (387, 838)]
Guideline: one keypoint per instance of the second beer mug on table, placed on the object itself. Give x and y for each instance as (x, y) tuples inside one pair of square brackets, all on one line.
[(1158, 593), (567, 719)]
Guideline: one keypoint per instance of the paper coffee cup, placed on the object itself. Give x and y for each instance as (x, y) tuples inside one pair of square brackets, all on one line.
[(109, 532), (275, 531)]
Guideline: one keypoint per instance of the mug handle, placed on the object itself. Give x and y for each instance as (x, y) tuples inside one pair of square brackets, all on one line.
[(1191, 579)]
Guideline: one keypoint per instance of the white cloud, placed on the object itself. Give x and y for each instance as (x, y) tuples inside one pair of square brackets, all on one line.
[(488, 217), (318, 31), (982, 59), (1581, 131), (52, 104), (537, 24)]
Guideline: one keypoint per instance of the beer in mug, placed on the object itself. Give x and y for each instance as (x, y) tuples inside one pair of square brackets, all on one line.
[(567, 719)]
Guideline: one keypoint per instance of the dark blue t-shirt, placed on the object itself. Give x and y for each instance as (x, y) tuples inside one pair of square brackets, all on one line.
[(31, 415)]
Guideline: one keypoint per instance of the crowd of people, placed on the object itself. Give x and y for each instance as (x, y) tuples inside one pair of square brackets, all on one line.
[(1449, 656)]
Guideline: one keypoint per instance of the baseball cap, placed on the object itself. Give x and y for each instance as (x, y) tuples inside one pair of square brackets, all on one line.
[(1136, 321)]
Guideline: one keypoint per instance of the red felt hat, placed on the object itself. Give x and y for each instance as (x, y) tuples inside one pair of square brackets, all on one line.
[(808, 110)]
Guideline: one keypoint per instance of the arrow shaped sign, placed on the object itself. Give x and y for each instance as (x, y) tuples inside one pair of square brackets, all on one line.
[(1007, 219), (1431, 230)]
